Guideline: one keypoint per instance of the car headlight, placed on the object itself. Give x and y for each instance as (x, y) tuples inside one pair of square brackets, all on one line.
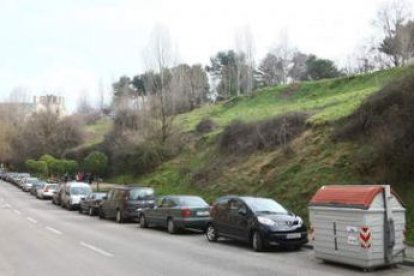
[(300, 221), (266, 221)]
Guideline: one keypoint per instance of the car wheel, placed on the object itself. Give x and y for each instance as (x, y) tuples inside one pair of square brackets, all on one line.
[(101, 214), (211, 233), (143, 222), (119, 216), (257, 242), (80, 210), (90, 211), (172, 229)]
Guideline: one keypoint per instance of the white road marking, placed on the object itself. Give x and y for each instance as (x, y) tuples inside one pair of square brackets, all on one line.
[(6, 206), (96, 249), (32, 220), (17, 212), (53, 230)]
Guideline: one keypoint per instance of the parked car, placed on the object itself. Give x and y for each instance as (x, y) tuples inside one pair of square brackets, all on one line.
[(91, 203), (20, 179), (57, 194), (46, 191), (126, 202), (72, 194), (260, 221), (177, 212), (28, 183), (36, 185)]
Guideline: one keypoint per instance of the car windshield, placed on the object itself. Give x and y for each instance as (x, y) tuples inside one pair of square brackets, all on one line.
[(82, 190), (99, 195), (265, 205), (142, 193), (37, 183), (193, 201), (53, 187)]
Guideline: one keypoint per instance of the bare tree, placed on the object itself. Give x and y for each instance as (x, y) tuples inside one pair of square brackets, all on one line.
[(161, 58), (245, 49), (391, 16), (284, 51)]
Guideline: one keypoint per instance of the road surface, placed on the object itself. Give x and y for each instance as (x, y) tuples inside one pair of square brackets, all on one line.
[(38, 238)]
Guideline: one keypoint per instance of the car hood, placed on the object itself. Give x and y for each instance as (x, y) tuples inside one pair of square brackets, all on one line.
[(284, 221)]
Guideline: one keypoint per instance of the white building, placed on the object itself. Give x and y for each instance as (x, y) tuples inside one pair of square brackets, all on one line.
[(50, 103)]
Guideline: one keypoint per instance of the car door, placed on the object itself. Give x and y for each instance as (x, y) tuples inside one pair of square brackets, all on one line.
[(163, 211), (220, 217), (106, 204), (151, 214), (237, 219)]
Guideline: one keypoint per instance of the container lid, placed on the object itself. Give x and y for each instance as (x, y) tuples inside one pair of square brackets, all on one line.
[(351, 196)]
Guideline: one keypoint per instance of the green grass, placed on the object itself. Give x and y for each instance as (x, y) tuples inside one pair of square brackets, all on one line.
[(291, 178), (328, 100), (95, 133)]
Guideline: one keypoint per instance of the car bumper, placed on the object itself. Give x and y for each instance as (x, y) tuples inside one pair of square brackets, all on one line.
[(193, 223), (284, 239)]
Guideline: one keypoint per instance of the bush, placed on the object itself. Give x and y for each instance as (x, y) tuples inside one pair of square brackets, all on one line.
[(205, 125), (385, 120), (96, 162), (243, 138), (38, 168)]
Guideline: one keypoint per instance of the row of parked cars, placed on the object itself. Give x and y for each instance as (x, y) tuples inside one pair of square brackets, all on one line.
[(262, 222)]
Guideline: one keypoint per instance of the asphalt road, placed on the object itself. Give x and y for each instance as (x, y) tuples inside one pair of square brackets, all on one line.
[(38, 238)]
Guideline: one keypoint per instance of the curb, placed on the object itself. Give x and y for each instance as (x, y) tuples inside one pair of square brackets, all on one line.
[(409, 262)]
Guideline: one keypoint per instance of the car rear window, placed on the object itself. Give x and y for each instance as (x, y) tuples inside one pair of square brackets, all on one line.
[(81, 190), (193, 201), (265, 205), (141, 193)]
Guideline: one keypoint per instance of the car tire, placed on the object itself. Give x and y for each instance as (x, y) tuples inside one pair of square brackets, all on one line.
[(118, 217), (143, 222), (90, 211), (80, 210), (258, 242), (101, 214), (171, 228), (211, 233)]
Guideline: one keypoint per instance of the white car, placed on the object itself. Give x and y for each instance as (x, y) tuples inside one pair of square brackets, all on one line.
[(46, 191), (73, 193)]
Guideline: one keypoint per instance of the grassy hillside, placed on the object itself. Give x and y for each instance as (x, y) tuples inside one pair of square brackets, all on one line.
[(291, 176)]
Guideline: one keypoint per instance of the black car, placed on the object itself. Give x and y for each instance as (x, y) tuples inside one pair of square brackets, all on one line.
[(126, 202), (260, 221), (177, 212), (91, 203)]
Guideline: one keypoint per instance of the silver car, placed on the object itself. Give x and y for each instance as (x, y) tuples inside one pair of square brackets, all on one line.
[(28, 183), (46, 191), (74, 192)]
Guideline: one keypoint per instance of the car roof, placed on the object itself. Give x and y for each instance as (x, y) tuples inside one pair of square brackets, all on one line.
[(130, 187), (77, 184)]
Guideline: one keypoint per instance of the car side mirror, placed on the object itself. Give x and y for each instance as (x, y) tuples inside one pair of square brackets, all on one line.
[(242, 212)]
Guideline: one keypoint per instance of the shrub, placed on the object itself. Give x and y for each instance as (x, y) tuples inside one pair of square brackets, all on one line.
[(96, 162), (385, 120), (241, 138), (38, 168), (205, 125)]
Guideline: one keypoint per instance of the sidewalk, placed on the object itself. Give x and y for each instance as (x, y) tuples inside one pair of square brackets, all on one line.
[(409, 254)]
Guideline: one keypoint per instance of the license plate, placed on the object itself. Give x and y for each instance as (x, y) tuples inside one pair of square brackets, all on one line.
[(202, 213), (293, 236)]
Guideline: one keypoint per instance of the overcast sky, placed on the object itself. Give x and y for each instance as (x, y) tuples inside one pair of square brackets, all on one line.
[(67, 46)]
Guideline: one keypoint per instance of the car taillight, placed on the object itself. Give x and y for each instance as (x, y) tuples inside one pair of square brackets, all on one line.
[(186, 212), (47, 189)]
